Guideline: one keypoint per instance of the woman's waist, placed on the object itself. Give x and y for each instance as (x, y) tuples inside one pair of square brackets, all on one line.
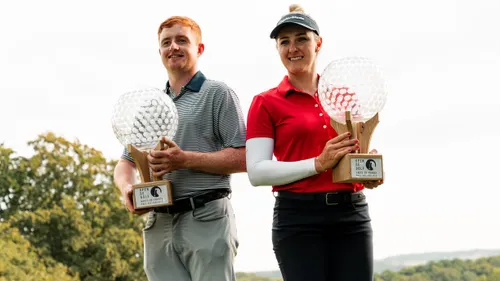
[(318, 184), (334, 187)]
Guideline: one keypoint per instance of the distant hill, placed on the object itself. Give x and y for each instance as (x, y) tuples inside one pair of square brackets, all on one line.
[(398, 262)]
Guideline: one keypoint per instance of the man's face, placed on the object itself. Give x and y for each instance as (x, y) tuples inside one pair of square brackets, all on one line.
[(179, 48)]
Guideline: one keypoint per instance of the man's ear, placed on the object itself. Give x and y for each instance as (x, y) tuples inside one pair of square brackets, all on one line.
[(201, 49)]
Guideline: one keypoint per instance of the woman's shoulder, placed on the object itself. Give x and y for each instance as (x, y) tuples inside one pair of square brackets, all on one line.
[(272, 92)]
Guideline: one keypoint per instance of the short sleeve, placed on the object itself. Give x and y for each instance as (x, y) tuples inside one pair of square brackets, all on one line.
[(230, 121), (126, 155), (259, 121)]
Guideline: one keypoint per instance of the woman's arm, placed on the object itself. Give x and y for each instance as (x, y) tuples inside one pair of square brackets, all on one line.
[(262, 170)]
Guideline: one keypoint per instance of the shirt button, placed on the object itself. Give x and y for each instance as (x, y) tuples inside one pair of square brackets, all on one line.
[(324, 126), (316, 105), (321, 114)]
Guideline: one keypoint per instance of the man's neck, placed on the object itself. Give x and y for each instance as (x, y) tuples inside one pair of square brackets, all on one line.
[(305, 82), (177, 80)]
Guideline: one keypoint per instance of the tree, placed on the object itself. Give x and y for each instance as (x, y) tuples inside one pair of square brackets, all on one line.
[(12, 176), (19, 261), (63, 201)]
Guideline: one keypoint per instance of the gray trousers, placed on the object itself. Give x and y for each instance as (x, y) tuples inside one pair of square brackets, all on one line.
[(198, 245)]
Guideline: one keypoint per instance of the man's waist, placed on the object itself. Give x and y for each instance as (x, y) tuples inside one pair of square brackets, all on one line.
[(188, 203), (186, 183)]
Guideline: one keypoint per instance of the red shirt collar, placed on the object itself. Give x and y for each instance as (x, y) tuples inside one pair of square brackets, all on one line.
[(286, 87)]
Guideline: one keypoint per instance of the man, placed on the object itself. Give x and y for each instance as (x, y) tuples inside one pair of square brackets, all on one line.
[(195, 239)]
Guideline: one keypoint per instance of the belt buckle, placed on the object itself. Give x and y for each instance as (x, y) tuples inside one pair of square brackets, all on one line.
[(326, 199)]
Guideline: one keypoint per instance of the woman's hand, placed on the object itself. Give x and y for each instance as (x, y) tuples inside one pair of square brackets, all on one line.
[(334, 150)]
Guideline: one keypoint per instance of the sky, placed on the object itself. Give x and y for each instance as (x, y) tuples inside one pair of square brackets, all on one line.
[(63, 65)]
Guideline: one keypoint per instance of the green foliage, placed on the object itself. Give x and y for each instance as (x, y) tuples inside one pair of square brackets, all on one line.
[(20, 262), (58, 168), (63, 203)]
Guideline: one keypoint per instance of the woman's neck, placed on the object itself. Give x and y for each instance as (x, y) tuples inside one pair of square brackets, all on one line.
[(305, 82)]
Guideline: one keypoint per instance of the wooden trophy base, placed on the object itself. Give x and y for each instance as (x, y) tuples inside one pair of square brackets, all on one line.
[(153, 191), (358, 166), (152, 194)]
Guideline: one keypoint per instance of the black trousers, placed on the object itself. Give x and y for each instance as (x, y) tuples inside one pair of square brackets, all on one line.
[(313, 241)]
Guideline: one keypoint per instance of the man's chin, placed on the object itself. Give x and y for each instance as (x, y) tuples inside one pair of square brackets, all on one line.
[(176, 68)]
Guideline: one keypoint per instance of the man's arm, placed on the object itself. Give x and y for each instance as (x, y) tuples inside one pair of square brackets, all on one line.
[(124, 178), (226, 161), (124, 174)]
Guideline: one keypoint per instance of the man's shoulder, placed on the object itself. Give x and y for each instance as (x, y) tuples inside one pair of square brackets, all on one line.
[(217, 86)]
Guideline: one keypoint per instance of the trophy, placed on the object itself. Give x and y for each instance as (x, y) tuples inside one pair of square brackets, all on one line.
[(140, 119), (352, 92)]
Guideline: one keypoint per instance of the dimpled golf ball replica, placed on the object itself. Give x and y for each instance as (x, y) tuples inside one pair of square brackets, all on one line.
[(352, 84), (142, 117)]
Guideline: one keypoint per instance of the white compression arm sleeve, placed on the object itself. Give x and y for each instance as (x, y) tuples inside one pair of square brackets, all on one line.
[(262, 170)]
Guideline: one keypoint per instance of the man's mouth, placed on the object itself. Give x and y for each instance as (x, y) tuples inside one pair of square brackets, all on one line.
[(175, 56), (295, 58)]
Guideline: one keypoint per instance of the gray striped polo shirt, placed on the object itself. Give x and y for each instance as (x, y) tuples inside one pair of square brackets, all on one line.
[(210, 119)]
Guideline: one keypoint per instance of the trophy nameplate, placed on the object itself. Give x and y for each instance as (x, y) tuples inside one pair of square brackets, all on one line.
[(152, 194)]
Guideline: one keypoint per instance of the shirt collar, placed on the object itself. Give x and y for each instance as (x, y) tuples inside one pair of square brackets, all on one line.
[(285, 87), (194, 85)]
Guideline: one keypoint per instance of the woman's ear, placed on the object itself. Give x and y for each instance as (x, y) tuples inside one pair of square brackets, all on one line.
[(319, 43)]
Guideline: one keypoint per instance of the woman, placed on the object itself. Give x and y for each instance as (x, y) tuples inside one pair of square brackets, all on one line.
[(321, 230)]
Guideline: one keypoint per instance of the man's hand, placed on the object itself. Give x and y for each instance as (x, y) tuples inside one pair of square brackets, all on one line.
[(168, 160), (373, 184), (127, 194)]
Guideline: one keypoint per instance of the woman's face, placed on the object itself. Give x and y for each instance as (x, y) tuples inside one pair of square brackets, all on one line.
[(298, 48)]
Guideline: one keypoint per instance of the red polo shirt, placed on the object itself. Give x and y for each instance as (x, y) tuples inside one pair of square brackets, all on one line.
[(300, 129)]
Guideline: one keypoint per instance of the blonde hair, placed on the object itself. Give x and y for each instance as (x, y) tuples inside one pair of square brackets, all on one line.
[(296, 8)]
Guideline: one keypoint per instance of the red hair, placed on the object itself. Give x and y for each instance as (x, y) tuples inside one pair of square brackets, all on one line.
[(185, 21)]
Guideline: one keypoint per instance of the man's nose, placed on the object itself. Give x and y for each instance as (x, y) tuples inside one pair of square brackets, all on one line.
[(174, 46)]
